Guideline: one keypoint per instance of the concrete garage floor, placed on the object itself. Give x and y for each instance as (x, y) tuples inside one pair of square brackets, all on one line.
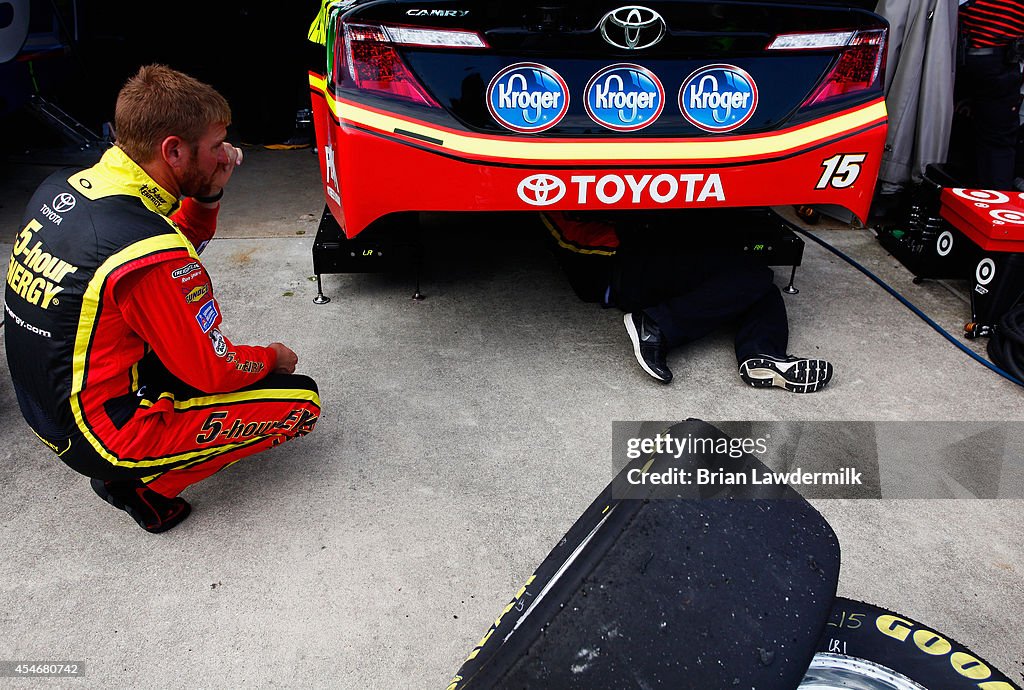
[(461, 436)]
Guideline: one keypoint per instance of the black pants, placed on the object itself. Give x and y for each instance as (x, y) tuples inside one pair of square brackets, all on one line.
[(690, 294), (992, 88)]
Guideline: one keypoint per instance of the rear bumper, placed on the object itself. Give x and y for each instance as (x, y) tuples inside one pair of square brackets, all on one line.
[(376, 163)]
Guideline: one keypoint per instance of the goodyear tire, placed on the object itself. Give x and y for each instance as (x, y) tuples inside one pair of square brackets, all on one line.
[(868, 648)]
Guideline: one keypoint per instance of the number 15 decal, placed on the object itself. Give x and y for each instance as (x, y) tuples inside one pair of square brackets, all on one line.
[(841, 170)]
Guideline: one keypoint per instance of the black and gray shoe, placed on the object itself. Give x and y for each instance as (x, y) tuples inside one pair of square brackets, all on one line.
[(795, 374), (648, 345), (154, 512)]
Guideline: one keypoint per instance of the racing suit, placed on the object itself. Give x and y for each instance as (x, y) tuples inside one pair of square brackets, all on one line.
[(113, 336)]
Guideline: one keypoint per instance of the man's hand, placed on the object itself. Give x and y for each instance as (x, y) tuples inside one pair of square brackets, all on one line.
[(286, 359), (226, 164), (229, 159)]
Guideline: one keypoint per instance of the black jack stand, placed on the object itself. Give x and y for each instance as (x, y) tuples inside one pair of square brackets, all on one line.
[(384, 246)]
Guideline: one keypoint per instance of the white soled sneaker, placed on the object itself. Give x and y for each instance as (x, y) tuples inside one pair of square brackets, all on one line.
[(795, 374)]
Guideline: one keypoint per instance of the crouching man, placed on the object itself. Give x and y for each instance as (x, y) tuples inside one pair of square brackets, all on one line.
[(113, 331)]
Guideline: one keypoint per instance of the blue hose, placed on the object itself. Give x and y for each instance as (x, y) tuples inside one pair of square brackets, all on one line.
[(924, 317)]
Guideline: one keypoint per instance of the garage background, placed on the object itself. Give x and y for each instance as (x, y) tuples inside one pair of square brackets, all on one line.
[(79, 54)]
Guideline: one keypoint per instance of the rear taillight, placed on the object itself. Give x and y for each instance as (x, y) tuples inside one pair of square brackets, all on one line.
[(373, 63), (860, 66)]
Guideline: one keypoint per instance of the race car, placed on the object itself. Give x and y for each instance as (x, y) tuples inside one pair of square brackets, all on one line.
[(566, 106)]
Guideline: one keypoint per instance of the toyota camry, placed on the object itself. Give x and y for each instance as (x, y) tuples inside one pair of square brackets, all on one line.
[(571, 105)]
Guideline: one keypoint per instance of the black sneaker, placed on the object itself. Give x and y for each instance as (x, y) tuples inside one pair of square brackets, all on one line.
[(154, 512), (648, 345), (795, 374)]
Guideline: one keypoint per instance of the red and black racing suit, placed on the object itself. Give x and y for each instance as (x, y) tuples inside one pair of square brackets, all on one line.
[(113, 336)]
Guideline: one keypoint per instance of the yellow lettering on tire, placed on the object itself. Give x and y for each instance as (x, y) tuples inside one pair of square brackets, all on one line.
[(894, 627), (931, 643), (969, 667)]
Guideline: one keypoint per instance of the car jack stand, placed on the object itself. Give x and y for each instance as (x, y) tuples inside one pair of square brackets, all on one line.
[(379, 249), (417, 267), (320, 298), (791, 289)]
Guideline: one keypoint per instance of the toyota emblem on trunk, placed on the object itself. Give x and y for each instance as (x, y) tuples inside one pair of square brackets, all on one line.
[(632, 27), (541, 189)]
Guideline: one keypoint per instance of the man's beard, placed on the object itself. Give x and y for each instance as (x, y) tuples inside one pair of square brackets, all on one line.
[(192, 182)]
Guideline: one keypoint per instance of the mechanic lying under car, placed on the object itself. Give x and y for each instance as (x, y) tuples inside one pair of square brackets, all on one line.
[(674, 297)]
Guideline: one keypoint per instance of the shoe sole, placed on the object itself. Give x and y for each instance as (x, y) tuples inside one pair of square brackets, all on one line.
[(801, 376), (101, 491), (635, 339)]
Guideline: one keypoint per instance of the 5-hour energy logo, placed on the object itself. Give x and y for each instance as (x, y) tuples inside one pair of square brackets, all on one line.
[(36, 275), (217, 426)]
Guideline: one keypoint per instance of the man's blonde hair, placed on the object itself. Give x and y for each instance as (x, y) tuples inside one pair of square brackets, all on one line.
[(159, 102)]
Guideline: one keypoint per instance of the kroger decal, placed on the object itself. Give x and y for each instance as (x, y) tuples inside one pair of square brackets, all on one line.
[(624, 97), (718, 98), (528, 97)]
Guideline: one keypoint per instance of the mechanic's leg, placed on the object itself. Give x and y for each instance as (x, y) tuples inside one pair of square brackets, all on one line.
[(641, 280), (763, 328), (734, 283), (761, 343)]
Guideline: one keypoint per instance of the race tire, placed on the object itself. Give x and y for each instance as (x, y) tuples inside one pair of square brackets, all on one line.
[(869, 648)]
